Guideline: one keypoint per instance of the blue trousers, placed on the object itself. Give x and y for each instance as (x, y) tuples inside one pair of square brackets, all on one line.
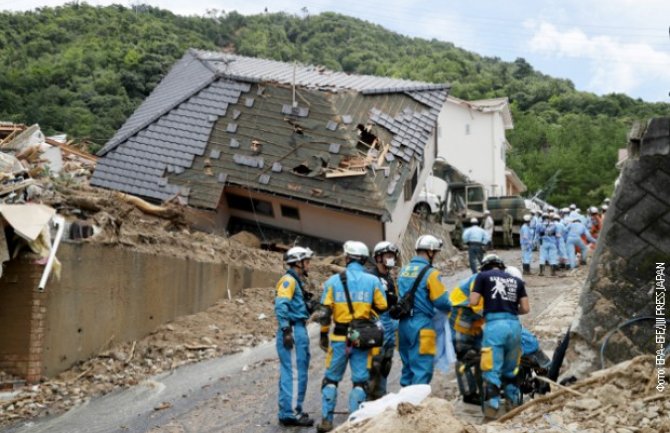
[(302, 357), (475, 256), (336, 364), (562, 251), (572, 257), (501, 347), (417, 348), (548, 252), (527, 253)]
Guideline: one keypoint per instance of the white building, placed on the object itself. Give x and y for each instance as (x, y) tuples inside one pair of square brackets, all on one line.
[(471, 137)]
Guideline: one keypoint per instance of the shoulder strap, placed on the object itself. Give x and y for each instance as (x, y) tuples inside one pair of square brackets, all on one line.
[(343, 278), (417, 281)]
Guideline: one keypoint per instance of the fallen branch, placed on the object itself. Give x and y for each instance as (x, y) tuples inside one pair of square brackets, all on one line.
[(558, 385), (132, 352), (83, 373), (148, 208), (200, 347)]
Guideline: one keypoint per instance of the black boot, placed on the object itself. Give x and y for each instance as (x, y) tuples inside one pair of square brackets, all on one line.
[(526, 269), (553, 270), (541, 274)]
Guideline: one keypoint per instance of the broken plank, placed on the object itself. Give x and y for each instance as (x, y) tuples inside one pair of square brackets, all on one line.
[(345, 173)]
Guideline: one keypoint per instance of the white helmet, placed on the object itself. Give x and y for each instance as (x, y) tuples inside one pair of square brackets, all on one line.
[(428, 243), (605, 207), (474, 221), (356, 249), (514, 271), (297, 254), (573, 206), (487, 212), (526, 217), (593, 209), (606, 201), (384, 247)]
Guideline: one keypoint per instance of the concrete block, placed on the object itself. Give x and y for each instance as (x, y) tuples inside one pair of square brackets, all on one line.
[(646, 212), (628, 194), (622, 241), (658, 184), (658, 235)]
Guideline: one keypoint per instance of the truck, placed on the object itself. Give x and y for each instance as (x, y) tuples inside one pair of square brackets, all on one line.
[(449, 196)]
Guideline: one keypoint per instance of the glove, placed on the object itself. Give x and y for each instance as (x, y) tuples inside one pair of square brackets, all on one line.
[(391, 299), (323, 341), (288, 338)]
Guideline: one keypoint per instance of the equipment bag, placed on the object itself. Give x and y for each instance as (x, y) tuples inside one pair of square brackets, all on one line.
[(362, 333), (405, 305)]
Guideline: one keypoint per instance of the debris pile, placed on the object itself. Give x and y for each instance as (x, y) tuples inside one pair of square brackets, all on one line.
[(621, 399), (227, 327), (434, 415)]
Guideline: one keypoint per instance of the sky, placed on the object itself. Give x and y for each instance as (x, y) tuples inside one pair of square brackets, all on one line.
[(603, 46)]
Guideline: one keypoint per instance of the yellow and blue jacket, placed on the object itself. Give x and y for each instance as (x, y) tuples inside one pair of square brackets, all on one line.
[(430, 294), (366, 293), (464, 318), (290, 302)]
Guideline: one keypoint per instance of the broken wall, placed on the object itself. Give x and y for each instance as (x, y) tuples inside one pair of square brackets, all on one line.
[(635, 237), (105, 294)]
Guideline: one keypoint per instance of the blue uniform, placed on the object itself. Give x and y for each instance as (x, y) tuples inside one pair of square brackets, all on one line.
[(526, 237), (574, 238), (535, 224), (385, 354), (366, 292), (291, 312), (548, 244), (561, 230), (501, 344), (416, 334), (475, 238)]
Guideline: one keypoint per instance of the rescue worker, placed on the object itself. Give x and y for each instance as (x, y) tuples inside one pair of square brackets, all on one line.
[(489, 226), (475, 238), (416, 333), (595, 222), (505, 299), (548, 246), (575, 231), (526, 239), (466, 323), (368, 293), (292, 309), (536, 229), (386, 256), (560, 239), (604, 209), (457, 234), (573, 212), (507, 224)]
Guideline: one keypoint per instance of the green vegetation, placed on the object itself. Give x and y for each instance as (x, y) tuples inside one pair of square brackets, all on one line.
[(82, 70)]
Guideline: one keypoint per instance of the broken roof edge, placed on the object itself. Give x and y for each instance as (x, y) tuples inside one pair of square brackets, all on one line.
[(376, 215), (115, 141)]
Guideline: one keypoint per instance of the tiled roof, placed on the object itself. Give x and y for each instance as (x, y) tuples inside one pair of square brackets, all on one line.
[(196, 132), (252, 69)]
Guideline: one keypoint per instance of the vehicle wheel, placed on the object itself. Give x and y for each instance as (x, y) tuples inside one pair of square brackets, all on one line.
[(422, 210)]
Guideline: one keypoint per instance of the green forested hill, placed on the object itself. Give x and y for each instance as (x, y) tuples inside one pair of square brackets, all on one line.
[(82, 70)]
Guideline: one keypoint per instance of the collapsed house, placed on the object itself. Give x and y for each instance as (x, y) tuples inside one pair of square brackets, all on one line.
[(282, 149)]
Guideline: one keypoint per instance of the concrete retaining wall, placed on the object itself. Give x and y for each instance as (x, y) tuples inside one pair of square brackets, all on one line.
[(104, 293), (634, 239)]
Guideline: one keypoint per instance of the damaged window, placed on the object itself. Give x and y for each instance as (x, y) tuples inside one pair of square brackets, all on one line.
[(249, 204)]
